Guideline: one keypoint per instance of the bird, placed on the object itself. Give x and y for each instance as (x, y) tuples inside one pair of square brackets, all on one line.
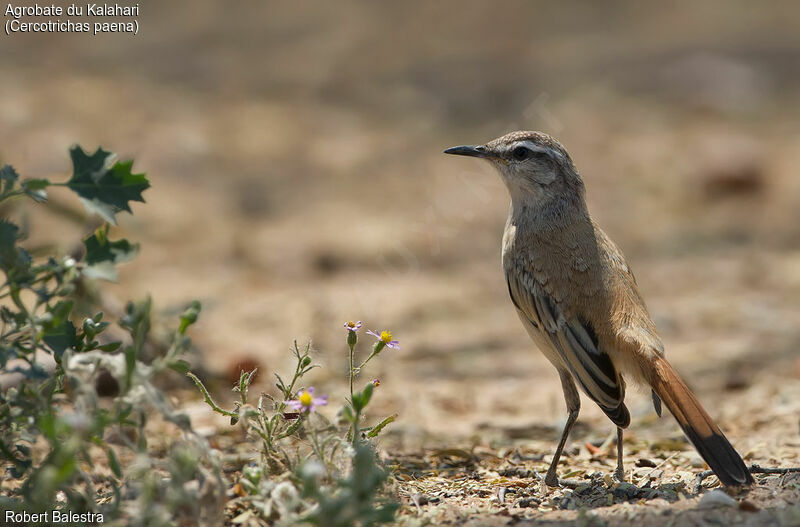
[(579, 301)]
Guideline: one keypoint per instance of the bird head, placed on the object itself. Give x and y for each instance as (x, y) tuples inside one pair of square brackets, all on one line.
[(533, 165)]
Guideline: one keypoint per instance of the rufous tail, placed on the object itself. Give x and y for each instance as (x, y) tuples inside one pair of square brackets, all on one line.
[(704, 434)]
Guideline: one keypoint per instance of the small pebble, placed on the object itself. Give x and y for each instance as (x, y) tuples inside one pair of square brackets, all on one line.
[(419, 499), (528, 502), (649, 473), (696, 461), (716, 498)]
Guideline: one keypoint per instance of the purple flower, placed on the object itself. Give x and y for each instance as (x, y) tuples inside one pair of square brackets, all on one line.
[(386, 338), (306, 402), (352, 326)]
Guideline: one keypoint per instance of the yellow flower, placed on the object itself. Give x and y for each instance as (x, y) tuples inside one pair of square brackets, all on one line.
[(384, 339), (305, 398), (306, 401)]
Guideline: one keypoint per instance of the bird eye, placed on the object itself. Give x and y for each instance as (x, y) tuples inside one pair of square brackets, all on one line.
[(520, 153)]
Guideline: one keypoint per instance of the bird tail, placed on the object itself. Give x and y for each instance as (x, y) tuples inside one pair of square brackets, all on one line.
[(704, 434)]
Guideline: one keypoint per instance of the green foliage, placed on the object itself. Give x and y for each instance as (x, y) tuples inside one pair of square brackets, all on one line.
[(53, 424), (105, 187), (314, 471), (353, 500), (103, 255)]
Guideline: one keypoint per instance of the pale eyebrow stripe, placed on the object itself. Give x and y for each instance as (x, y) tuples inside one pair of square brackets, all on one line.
[(537, 148)]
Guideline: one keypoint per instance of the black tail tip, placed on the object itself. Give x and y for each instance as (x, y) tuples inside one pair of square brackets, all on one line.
[(739, 477), (722, 458)]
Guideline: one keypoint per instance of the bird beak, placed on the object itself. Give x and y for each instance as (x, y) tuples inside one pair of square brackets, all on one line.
[(471, 151)]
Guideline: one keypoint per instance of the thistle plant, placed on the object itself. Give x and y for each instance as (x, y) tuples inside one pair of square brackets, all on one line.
[(53, 423)]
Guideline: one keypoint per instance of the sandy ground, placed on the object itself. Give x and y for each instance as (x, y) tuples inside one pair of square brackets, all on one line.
[(298, 182)]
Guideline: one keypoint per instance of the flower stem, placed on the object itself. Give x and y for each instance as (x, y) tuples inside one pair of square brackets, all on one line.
[(312, 432), (351, 342), (352, 371), (356, 428), (367, 360)]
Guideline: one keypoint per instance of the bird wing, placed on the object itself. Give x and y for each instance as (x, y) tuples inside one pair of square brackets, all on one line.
[(575, 342), (618, 262)]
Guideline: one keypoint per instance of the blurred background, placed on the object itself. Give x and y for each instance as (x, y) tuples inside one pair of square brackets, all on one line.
[(295, 156)]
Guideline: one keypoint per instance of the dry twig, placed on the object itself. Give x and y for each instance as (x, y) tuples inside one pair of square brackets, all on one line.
[(754, 469)]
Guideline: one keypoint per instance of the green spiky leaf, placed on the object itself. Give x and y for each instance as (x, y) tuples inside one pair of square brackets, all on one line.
[(105, 187), (103, 254)]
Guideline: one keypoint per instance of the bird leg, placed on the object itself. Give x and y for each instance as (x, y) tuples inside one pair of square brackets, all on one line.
[(573, 401), (620, 473)]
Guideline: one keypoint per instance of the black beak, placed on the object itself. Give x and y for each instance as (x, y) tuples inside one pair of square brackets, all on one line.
[(472, 151)]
